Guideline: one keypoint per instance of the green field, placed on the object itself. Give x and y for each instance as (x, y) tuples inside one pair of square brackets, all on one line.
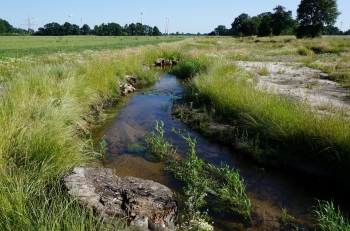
[(19, 46)]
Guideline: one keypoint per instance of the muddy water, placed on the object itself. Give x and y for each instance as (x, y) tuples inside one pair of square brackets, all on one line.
[(268, 191)]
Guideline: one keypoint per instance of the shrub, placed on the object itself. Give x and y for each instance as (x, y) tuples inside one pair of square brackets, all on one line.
[(189, 68)]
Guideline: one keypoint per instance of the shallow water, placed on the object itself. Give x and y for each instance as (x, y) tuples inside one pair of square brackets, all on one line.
[(269, 191)]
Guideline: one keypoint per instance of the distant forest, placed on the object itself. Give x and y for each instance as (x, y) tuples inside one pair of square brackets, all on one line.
[(278, 22), (55, 29)]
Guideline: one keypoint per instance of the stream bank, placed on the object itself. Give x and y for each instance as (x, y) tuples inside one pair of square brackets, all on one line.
[(274, 194)]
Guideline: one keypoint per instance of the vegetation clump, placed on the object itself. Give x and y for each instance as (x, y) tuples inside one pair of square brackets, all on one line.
[(188, 68), (49, 106), (329, 218), (157, 144), (202, 180)]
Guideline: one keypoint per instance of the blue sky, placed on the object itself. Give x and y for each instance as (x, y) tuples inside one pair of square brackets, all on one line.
[(188, 16)]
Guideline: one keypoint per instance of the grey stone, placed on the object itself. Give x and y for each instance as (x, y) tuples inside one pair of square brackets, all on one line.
[(165, 62), (145, 204)]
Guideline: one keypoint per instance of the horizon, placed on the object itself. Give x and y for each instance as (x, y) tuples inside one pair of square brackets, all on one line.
[(179, 14)]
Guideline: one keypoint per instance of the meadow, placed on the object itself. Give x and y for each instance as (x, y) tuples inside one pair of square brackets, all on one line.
[(287, 129), (19, 46), (53, 91), (50, 102)]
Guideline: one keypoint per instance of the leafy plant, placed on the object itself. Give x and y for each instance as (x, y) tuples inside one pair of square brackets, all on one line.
[(203, 179), (330, 219), (156, 143), (188, 68)]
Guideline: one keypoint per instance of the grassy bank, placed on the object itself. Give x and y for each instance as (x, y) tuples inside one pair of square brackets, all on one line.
[(50, 101), (273, 129), (49, 104), (296, 132)]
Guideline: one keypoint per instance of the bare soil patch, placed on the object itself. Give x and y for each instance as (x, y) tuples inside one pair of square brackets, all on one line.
[(299, 82)]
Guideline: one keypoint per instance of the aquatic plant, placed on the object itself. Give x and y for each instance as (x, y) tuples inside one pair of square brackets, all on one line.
[(202, 179), (156, 143), (329, 218)]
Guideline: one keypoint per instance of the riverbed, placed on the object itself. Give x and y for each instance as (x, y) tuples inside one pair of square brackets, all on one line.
[(279, 199)]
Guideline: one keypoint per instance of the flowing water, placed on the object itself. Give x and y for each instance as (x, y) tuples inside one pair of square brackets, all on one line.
[(271, 193)]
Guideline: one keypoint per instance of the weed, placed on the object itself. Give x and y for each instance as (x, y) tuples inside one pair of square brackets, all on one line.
[(102, 149), (312, 84), (165, 106), (329, 218), (156, 143), (285, 216), (280, 72), (135, 148), (263, 71), (202, 179)]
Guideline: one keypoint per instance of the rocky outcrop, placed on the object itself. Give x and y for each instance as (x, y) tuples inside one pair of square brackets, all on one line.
[(126, 88), (131, 80), (145, 204), (165, 62), (129, 87)]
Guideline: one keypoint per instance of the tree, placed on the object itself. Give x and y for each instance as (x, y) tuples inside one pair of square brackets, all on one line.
[(250, 26), (66, 28), (52, 29), (132, 29), (282, 21), (126, 30), (265, 28), (85, 30), (312, 15), (221, 30), (156, 31), (238, 23), (5, 27), (75, 30), (332, 30), (139, 29)]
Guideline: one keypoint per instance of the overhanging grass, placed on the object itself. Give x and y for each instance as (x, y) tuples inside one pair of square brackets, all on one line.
[(299, 130), (47, 110)]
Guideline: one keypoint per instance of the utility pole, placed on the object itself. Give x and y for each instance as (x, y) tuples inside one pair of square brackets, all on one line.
[(30, 23), (166, 26)]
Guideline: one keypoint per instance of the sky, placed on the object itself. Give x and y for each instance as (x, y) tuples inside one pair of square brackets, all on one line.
[(184, 16)]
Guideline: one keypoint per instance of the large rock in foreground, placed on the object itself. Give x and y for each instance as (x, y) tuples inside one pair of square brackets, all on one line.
[(146, 204)]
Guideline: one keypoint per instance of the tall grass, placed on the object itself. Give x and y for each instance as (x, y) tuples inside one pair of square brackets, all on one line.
[(329, 218), (294, 126), (48, 106)]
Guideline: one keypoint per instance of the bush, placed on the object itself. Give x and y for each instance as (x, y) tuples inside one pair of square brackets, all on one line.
[(189, 68)]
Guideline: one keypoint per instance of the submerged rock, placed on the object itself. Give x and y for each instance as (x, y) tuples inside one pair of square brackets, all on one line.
[(145, 204)]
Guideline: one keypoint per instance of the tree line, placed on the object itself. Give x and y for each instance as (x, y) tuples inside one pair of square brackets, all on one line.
[(6, 28), (109, 29), (314, 18)]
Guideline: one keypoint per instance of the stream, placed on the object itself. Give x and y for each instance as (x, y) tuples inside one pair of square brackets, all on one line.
[(273, 194)]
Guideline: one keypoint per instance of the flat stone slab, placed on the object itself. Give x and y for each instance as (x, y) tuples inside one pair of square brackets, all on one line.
[(145, 204)]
